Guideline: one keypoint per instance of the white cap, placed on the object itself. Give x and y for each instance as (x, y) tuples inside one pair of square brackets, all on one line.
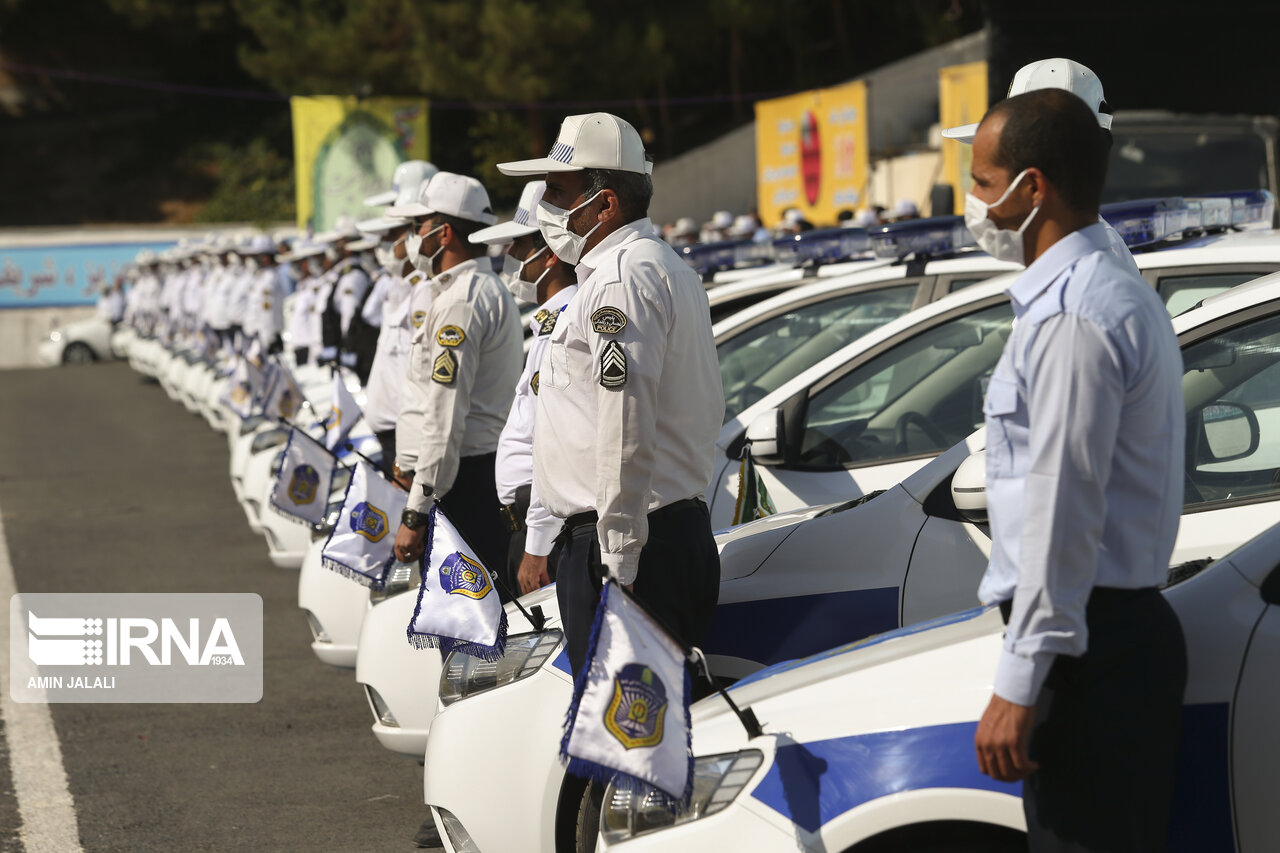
[(408, 174), (344, 228), (743, 226), (521, 224), (684, 226), (721, 219), (792, 216), (591, 141), (1049, 74), (364, 244), (452, 195), (260, 245), (303, 249), (904, 207), (381, 225)]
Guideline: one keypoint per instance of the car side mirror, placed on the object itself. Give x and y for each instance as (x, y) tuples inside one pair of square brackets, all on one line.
[(765, 436), (969, 488), (1227, 431)]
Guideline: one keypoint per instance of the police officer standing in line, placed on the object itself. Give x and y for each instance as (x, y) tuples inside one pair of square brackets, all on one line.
[(535, 276), (464, 362), (629, 396), (264, 314), (1085, 442), (347, 282), (302, 318)]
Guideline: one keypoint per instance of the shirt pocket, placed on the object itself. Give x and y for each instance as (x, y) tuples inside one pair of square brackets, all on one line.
[(1005, 417), (555, 366)]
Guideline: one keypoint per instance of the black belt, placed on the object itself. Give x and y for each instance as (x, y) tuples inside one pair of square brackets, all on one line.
[(513, 513), (1099, 594), (590, 518)]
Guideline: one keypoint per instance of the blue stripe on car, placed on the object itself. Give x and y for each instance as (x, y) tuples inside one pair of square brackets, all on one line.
[(811, 784)]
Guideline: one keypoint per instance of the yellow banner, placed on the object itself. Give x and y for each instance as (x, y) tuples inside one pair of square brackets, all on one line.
[(811, 153), (962, 99), (345, 149)]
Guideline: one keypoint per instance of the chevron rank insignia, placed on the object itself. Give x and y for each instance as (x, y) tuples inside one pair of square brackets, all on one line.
[(450, 336), (608, 320), (613, 366), (548, 322), (533, 383), (445, 369)]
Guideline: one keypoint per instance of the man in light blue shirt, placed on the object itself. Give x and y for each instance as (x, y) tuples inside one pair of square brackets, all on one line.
[(1085, 443)]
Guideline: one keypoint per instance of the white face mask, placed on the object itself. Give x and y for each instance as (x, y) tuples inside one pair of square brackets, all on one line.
[(332, 254), (1003, 244), (553, 222), (513, 272), (252, 264), (421, 262)]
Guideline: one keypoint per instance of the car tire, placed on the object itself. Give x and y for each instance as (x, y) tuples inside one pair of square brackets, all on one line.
[(78, 353), (588, 830)]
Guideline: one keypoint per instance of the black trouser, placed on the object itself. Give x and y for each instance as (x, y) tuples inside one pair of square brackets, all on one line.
[(387, 438), (1106, 731), (300, 355), (472, 506), (678, 579)]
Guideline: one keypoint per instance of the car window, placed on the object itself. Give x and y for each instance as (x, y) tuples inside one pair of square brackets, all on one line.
[(962, 283), (1182, 292), (760, 359), (922, 396), (1231, 385)]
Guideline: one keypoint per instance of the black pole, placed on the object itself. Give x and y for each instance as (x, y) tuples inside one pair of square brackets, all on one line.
[(376, 467)]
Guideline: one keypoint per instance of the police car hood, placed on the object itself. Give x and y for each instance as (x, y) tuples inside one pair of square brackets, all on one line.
[(934, 673), (745, 547)]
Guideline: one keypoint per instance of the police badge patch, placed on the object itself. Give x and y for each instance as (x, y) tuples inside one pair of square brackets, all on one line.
[(450, 336), (608, 320), (303, 484), (417, 318), (369, 521), (461, 575), (639, 704), (445, 369), (613, 366)]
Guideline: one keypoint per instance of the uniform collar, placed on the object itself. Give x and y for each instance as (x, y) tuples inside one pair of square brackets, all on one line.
[(592, 260), (449, 276), (1036, 278)]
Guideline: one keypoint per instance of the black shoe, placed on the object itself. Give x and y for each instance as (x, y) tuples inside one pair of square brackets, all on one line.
[(427, 836)]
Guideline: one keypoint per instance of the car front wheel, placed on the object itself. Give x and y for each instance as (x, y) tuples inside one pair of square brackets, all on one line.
[(78, 353)]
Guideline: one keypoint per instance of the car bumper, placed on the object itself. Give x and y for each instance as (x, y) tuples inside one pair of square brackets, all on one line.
[(404, 679), (50, 353), (335, 608)]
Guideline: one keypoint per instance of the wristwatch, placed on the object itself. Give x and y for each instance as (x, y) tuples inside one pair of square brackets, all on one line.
[(413, 520)]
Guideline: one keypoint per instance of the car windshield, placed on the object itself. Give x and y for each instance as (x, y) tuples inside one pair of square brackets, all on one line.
[(922, 396), (761, 358)]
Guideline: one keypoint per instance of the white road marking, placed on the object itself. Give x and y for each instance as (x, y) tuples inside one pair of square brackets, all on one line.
[(35, 757)]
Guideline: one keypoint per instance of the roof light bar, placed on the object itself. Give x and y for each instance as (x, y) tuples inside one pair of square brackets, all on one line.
[(939, 235), (821, 246)]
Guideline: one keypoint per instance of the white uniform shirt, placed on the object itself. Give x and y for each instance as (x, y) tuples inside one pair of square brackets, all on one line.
[(514, 465), (264, 316), (217, 300), (383, 283), (351, 289), (629, 400), (386, 375), (324, 284), (238, 295), (463, 363), (300, 317)]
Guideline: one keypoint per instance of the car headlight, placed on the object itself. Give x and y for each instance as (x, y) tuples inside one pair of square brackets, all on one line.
[(400, 579), (251, 423), (55, 335), (465, 675), (278, 462), (331, 514), (717, 780), (268, 439)]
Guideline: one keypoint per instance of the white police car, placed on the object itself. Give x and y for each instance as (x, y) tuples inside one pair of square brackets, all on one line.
[(81, 342), (870, 746), (791, 585)]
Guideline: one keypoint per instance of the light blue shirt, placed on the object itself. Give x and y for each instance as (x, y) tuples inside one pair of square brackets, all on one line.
[(1085, 443)]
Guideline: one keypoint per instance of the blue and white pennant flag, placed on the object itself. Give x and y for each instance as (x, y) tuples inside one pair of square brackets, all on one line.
[(629, 719), (360, 545), (343, 414), (458, 609), (244, 389), (284, 398), (301, 490)]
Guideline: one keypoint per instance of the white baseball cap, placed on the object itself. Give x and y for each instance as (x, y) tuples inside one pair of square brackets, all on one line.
[(381, 225), (452, 195), (1049, 74), (591, 141), (904, 207), (409, 174), (344, 228), (521, 224)]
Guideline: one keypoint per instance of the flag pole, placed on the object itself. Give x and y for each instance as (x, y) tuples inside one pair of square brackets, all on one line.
[(381, 473), (694, 655)]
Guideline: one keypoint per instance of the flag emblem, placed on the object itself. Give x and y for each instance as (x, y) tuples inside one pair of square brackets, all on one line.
[(369, 521), (635, 714), (461, 575), (240, 394), (303, 483), (613, 366), (335, 418), (287, 404)]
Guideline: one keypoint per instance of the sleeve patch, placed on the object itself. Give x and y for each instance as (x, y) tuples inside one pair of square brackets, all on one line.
[(548, 321), (445, 369), (533, 383), (608, 320), (417, 318), (450, 336), (613, 366)]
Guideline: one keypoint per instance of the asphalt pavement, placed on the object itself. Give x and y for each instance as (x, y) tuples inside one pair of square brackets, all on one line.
[(106, 485)]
